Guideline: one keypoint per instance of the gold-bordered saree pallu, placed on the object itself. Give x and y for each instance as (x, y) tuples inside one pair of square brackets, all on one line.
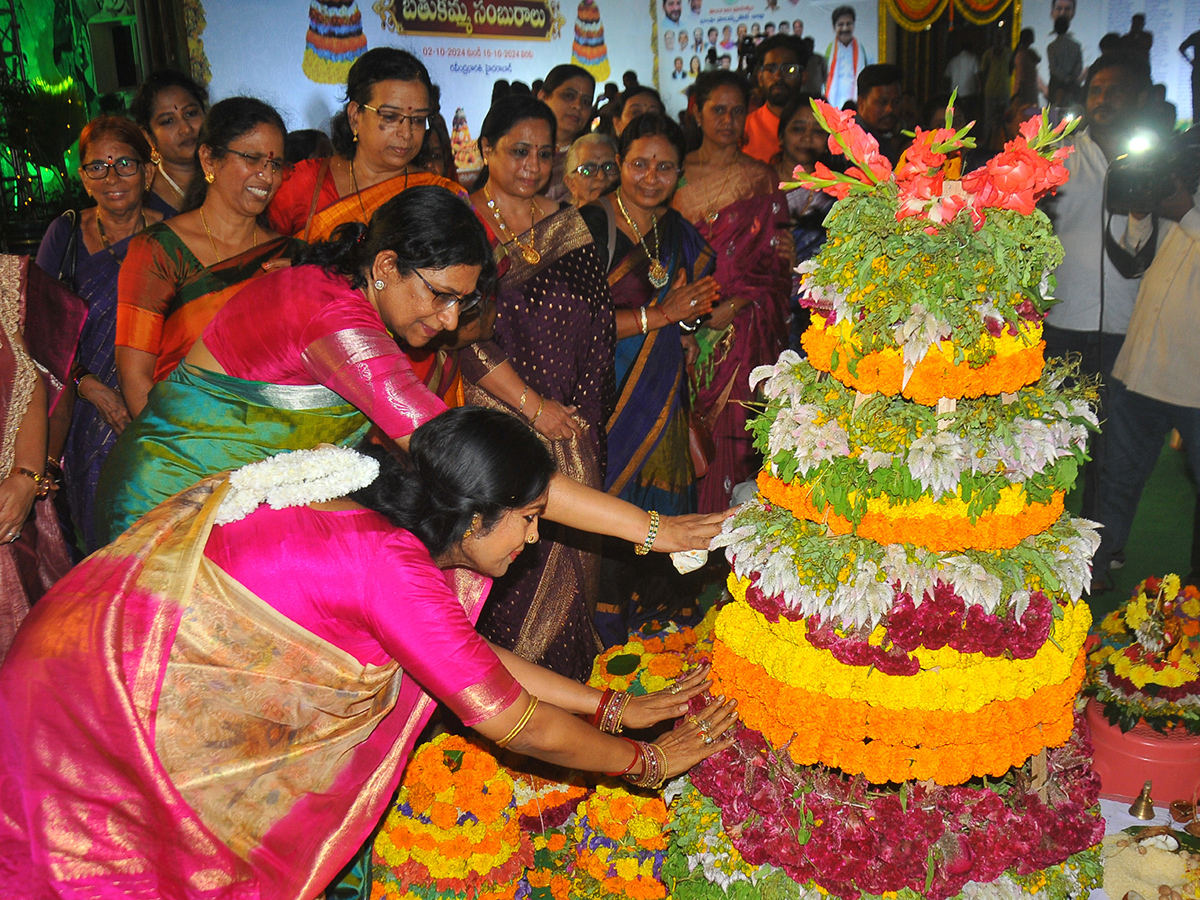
[(360, 206), (169, 734), (198, 423)]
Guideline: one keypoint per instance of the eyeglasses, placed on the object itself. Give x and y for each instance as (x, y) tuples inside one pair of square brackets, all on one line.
[(641, 168), (444, 299), (589, 170), (785, 70), (260, 162), (125, 167), (392, 119)]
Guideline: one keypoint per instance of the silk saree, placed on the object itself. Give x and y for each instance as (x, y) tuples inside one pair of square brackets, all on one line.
[(210, 746)]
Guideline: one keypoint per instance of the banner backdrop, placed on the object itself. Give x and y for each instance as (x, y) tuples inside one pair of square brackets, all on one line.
[(689, 30), (295, 53)]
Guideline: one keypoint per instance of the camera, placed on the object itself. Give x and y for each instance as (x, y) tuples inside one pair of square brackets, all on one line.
[(1138, 182)]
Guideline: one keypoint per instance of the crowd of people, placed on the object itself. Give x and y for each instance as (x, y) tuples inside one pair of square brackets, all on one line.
[(527, 388)]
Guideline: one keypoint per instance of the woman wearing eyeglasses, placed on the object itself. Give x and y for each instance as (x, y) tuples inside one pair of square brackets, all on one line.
[(735, 203), (377, 136), (554, 324), (310, 354), (116, 173), (178, 273), (658, 273), (591, 168)]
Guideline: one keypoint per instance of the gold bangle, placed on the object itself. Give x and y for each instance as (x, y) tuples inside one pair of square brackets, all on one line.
[(520, 726), (524, 394), (541, 406), (43, 484), (645, 320), (647, 544)]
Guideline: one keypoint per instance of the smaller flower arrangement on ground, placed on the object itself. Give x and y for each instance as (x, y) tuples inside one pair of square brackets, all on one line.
[(651, 660), (454, 829), (1147, 663)]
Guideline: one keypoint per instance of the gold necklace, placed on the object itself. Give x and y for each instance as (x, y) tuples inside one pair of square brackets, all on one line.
[(528, 253), (216, 252), (711, 215), (658, 272), (171, 181), (104, 237)]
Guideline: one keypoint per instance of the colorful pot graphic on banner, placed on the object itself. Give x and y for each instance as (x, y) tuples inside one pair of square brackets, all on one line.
[(588, 50), (334, 41)]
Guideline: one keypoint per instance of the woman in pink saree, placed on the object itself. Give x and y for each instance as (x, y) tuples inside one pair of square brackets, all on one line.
[(735, 203), (246, 681)]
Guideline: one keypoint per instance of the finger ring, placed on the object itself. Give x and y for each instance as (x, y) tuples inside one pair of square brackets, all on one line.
[(695, 720), (706, 737), (693, 303), (675, 688), (704, 725)]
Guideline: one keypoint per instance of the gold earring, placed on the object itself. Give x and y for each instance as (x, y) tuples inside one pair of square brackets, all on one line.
[(355, 133), (532, 539), (476, 522), (155, 156), (210, 177)]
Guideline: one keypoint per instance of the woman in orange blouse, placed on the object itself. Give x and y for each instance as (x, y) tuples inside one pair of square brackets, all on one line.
[(178, 273)]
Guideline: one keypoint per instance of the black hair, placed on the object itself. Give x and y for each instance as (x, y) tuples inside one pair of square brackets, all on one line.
[(793, 106), (427, 155), (878, 75), (504, 115), (707, 82), (427, 227), (560, 75), (638, 90), (305, 143), (227, 121), (1136, 66), (843, 11), (652, 124), (466, 462), (780, 42), (376, 65), (142, 107)]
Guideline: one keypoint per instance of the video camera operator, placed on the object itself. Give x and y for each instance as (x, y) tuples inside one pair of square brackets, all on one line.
[(1155, 384), (1098, 279)]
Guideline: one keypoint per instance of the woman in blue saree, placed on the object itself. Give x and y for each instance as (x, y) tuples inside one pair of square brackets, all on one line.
[(658, 273), (115, 169)]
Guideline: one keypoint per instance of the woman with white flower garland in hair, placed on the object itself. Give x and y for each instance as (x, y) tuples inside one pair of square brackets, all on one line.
[(248, 680)]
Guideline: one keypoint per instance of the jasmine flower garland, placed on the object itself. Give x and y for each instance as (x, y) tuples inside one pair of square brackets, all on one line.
[(297, 478)]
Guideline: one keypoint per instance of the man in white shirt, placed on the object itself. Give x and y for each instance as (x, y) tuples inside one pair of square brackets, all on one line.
[(1156, 380), (846, 58), (1096, 300)]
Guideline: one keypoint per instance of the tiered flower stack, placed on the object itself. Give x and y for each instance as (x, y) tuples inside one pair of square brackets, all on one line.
[(906, 637)]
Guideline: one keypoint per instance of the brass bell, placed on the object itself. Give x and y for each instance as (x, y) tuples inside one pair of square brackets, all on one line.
[(1143, 806)]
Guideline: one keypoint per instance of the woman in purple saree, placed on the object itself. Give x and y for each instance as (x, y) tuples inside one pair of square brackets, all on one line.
[(735, 203), (247, 682)]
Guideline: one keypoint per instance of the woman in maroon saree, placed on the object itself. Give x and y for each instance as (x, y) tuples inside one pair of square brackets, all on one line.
[(554, 324), (735, 203)]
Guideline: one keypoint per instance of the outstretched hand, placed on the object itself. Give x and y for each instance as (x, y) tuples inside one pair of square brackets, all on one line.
[(669, 703), (699, 736), (691, 532)]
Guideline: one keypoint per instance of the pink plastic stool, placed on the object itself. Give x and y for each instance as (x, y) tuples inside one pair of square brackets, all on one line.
[(1125, 760)]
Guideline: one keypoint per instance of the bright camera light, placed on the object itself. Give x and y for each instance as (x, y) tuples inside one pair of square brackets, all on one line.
[(1140, 143)]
